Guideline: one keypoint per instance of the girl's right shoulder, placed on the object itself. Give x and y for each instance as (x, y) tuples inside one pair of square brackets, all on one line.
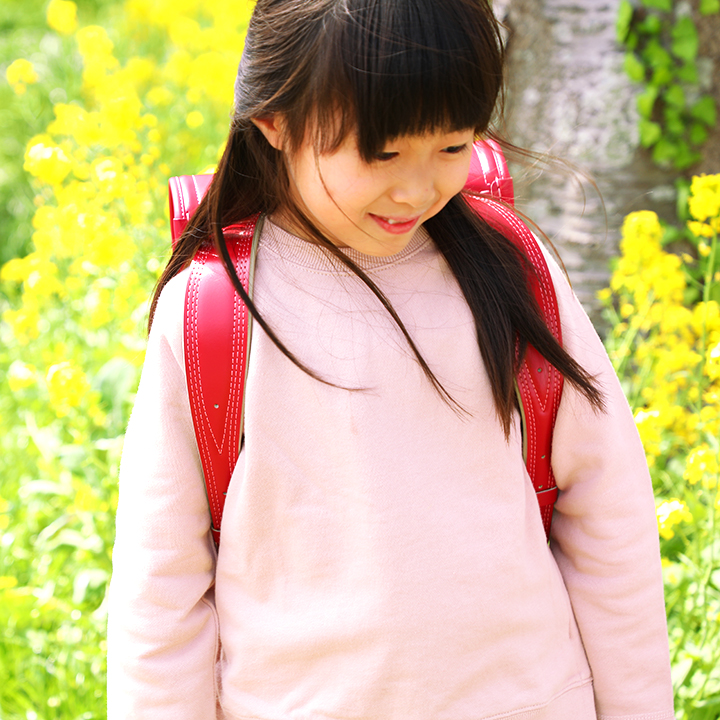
[(168, 322), (171, 303)]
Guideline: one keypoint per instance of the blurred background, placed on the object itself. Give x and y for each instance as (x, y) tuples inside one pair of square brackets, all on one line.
[(102, 100)]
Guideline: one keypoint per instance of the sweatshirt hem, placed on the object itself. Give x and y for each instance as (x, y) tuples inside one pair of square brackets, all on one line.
[(528, 711), (669, 715)]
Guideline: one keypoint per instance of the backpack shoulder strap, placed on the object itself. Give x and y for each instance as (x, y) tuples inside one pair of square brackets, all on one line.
[(489, 173), (538, 384), (217, 334), (185, 194)]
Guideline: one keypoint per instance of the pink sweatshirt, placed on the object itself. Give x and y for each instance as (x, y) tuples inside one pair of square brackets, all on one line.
[(382, 557)]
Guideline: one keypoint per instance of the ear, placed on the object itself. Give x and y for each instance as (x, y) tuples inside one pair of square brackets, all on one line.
[(272, 128)]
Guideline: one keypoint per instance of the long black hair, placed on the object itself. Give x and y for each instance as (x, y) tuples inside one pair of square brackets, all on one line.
[(380, 69)]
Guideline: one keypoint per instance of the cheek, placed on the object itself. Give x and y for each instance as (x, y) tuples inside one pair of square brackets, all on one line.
[(351, 189), (458, 180)]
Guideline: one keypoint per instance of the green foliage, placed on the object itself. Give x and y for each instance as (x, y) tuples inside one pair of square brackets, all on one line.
[(661, 54), (664, 310), (96, 115)]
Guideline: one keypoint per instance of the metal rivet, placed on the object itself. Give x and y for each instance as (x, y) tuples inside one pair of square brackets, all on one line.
[(216, 406), (539, 369), (542, 457)]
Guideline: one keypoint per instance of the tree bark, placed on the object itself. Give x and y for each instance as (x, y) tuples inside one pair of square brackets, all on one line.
[(569, 96)]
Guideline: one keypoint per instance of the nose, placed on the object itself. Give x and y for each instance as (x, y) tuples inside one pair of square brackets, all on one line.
[(415, 188)]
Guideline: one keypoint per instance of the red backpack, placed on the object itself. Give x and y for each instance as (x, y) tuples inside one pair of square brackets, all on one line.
[(217, 333)]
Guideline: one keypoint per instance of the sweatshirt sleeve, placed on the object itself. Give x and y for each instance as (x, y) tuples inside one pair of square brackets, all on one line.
[(162, 625), (604, 535)]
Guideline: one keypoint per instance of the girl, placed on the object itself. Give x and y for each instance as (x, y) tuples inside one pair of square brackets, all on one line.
[(382, 553)]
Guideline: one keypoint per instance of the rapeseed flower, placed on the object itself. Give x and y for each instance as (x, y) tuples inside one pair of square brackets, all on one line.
[(669, 514), (47, 161), (62, 16), (19, 74), (21, 376), (67, 386), (704, 201), (194, 119), (702, 466)]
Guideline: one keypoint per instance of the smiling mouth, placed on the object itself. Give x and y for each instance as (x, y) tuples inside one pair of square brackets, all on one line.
[(395, 225)]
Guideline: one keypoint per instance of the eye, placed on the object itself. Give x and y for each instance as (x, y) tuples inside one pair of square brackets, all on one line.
[(456, 149), (385, 156)]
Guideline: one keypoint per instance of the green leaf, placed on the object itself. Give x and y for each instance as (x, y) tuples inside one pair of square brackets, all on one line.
[(674, 125), (674, 96), (624, 19), (634, 68), (688, 72), (650, 132), (685, 40), (705, 111), (662, 76), (656, 55), (665, 5), (631, 41), (685, 156), (664, 152), (651, 25), (708, 7), (698, 134), (682, 186), (646, 101)]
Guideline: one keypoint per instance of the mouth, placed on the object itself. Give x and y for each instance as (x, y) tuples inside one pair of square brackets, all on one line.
[(395, 226)]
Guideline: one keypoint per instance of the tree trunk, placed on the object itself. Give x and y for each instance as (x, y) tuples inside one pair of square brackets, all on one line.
[(569, 96)]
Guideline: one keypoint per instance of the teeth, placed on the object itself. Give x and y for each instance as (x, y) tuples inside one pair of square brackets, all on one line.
[(395, 222)]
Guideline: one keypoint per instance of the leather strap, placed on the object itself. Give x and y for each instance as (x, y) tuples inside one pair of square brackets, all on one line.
[(538, 383), (218, 333), (185, 193)]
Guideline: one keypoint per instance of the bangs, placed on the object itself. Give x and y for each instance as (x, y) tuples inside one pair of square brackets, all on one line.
[(386, 69)]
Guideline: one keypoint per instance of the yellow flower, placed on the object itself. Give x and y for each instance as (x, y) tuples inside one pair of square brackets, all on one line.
[(704, 201), (67, 386), (626, 310), (604, 295), (19, 74), (213, 74), (20, 376), (184, 32), (93, 42), (702, 466), (62, 16), (194, 119), (47, 161), (641, 226), (37, 273), (712, 366), (670, 513), (160, 96), (7, 582), (76, 122), (699, 230), (96, 49)]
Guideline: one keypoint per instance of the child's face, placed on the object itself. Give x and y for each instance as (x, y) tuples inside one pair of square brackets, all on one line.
[(376, 207)]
